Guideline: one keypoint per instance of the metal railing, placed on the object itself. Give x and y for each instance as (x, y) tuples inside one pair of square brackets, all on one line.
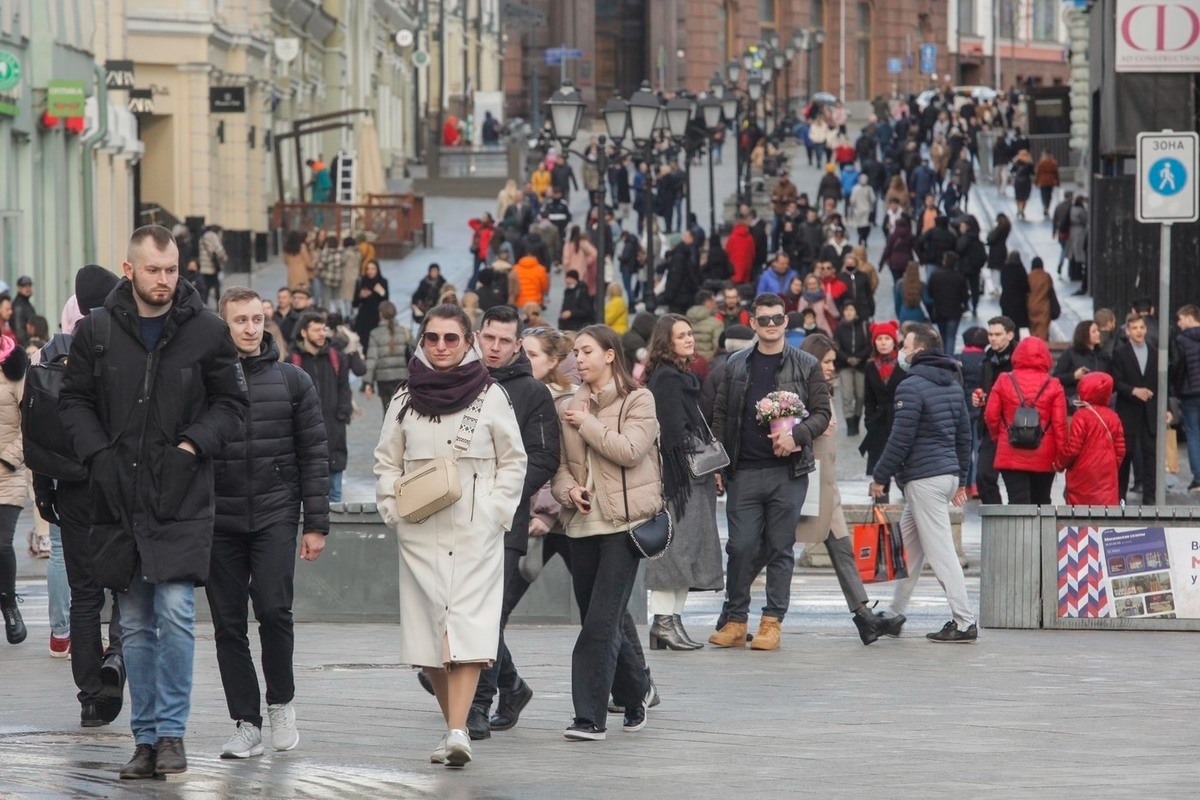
[(392, 220)]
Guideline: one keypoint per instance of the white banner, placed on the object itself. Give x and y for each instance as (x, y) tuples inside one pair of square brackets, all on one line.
[(1158, 36)]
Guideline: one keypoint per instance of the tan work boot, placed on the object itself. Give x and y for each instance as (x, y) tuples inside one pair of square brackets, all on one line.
[(732, 634), (767, 637)]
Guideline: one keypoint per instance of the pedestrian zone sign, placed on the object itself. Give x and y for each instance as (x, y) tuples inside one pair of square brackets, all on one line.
[(1167, 181)]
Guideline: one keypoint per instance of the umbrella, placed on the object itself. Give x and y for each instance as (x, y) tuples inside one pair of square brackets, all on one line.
[(371, 179)]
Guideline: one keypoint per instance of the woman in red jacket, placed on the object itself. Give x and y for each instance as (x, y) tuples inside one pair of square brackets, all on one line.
[(740, 249), (1095, 446), (1028, 472)]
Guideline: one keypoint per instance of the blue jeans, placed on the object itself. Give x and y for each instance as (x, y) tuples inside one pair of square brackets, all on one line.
[(335, 486), (1190, 408), (948, 330), (57, 588), (159, 642)]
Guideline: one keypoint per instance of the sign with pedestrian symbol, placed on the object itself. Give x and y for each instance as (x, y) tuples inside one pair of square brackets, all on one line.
[(1166, 169)]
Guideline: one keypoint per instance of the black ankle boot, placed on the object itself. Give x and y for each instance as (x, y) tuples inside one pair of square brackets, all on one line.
[(870, 625), (14, 626), (852, 426), (663, 635), (678, 620)]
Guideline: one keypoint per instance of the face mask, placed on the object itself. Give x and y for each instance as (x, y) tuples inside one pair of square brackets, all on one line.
[(902, 361)]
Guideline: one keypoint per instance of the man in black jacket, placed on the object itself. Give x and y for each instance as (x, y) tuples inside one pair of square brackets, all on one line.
[(859, 285), (578, 308), (500, 343), (683, 276), (767, 473), (950, 294), (329, 370), (997, 359), (278, 462), (153, 391), (1135, 377), (929, 453), (934, 243)]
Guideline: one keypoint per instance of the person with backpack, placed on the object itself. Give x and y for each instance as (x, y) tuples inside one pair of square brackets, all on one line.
[(1026, 415), (276, 467), (63, 497), (314, 353)]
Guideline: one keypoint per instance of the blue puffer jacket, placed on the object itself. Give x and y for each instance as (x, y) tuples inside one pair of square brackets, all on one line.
[(931, 434), (1188, 374)]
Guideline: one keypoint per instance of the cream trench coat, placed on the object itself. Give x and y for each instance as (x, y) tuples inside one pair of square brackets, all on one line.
[(452, 564)]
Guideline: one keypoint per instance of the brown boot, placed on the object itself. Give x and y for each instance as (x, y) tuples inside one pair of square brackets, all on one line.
[(767, 637), (732, 634)]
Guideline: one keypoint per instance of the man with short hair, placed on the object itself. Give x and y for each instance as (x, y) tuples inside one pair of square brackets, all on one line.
[(768, 471), (22, 308), (578, 308), (997, 359), (314, 352), (705, 325), (301, 298), (500, 344), (152, 392), (283, 304), (1135, 377), (778, 278), (731, 311), (929, 453), (858, 285), (276, 464)]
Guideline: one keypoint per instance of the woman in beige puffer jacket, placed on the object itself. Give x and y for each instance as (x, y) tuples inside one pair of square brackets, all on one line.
[(609, 429), (13, 363)]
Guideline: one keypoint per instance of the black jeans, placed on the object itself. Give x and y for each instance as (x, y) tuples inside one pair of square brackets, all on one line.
[(603, 571), (260, 567), (503, 666), (73, 502), (1139, 455), (987, 479), (1027, 488), (210, 285), (386, 390), (8, 556), (763, 508)]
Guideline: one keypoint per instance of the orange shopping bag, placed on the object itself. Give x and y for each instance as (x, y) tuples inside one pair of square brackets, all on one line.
[(878, 549)]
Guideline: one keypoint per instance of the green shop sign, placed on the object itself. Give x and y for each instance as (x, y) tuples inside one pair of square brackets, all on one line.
[(65, 98), (10, 71)]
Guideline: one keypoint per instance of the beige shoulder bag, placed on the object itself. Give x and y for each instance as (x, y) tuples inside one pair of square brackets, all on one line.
[(435, 485)]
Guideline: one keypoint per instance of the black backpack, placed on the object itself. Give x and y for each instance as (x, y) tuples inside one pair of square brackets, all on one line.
[(47, 446), (1026, 431)]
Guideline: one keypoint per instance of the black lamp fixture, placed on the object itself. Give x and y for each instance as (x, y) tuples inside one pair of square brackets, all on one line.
[(780, 59), (733, 71), (729, 107), (616, 118), (644, 110), (755, 87), (773, 39), (819, 36), (679, 112), (711, 110), (716, 87), (748, 59), (566, 113)]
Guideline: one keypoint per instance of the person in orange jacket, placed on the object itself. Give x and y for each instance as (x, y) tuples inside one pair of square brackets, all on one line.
[(532, 282)]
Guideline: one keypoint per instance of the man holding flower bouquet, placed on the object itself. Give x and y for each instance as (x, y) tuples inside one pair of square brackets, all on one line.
[(772, 403)]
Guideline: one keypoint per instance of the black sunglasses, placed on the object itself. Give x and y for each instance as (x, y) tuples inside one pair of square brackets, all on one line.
[(451, 339), (772, 321)]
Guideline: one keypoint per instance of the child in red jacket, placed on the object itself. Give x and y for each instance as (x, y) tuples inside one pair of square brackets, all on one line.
[(1095, 446)]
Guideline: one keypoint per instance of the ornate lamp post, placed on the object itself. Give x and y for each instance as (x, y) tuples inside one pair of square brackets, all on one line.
[(710, 109)]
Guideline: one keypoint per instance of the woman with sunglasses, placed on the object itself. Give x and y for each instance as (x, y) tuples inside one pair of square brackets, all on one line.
[(609, 478), (451, 564), (693, 562)]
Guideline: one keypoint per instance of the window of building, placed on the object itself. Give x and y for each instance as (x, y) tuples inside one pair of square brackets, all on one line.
[(1008, 18), (1045, 20), (723, 34), (863, 53), (768, 11), (966, 17), (816, 56)]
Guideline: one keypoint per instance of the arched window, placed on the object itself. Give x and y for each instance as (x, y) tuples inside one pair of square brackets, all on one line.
[(816, 56), (862, 82)]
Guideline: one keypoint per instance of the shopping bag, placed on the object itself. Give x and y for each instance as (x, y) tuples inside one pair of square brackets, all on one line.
[(878, 549), (812, 498)]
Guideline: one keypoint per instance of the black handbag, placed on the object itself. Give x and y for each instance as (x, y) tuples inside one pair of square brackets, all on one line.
[(651, 539), (707, 455)]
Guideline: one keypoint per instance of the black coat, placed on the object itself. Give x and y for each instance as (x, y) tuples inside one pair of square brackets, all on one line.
[(852, 340), (950, 293), (677, 403), (859, 284), (997, 242), (280, 459), (1137, 417), (581, 305), (152, 501), (877, 411), (1014, 293), (366, 318), (534, 408), (972, 255), (683, 280), (329, 370), (1070, 361), (935, 243)]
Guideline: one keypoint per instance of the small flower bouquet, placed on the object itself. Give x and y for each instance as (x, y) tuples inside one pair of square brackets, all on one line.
[(780, 410)]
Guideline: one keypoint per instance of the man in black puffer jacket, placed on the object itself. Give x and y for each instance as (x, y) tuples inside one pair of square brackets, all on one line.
[(929, 453), (278, 463)]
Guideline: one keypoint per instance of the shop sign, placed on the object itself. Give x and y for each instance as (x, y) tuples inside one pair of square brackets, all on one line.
[(226, 99), (1158, 36), (66, 98), (1128, 572), (120, 74), (10, 71), (141, 101)]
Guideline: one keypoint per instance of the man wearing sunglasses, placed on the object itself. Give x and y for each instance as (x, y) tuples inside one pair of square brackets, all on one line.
[(768, 472)]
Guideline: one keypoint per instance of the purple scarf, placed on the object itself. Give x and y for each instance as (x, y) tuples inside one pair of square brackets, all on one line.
[(433, 392)]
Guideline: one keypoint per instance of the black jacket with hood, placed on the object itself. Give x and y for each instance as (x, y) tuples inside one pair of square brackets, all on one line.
[(329, 370), (127, 409), (279, 461)]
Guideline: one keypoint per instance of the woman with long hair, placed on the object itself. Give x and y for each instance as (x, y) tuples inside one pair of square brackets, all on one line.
[(451, 563), (829, 525), (1083, 356), (1022, 181), (579, 254), (911, 295), (388, 352), (997, 244), (693, 562), (369, 293), (298, 259), (610, 480)]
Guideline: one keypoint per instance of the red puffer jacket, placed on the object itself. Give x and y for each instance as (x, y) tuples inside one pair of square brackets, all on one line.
[(1031, 370), (740, 249), (1095, 447)]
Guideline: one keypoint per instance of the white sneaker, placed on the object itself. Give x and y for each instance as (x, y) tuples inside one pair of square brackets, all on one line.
[(439, 753), (245, 742), (284, 735), (458, 748)]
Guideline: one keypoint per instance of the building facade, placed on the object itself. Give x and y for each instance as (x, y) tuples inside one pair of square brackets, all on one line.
[(1010, 42)]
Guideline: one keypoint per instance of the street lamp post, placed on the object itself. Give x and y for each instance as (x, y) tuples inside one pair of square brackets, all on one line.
[(710, 109), (644, 111), (679, 113), (729, 110)]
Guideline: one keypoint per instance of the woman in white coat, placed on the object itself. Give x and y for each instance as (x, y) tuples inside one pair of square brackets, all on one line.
[(451, 565)]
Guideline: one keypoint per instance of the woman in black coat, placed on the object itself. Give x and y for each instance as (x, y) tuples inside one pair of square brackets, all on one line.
[(972, 258), (1014, 291), (1085, 355), (997, 243), (369, 291), (882, 378)]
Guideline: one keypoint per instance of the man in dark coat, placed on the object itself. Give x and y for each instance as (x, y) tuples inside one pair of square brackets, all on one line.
[(683, 276), (1135, 376), (278, 463), (950, 294), (315, 353), (153, 391), (22, 308), (929, 454), (934, 243), (997, 360), (500, 344), (578, 307), (859, 285)]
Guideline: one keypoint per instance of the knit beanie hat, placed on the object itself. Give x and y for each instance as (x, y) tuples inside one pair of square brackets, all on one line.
[(92, 285)]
